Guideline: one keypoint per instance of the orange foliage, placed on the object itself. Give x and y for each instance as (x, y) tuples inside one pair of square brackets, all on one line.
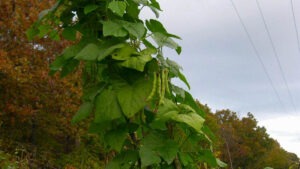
[(35, 108), (26, 88)]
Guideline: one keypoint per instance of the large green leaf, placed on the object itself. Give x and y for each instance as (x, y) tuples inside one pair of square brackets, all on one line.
[(89, 93), (192, 119), (163, 40), (123, 53), (191, 142), (117, 7), (148, 156), (167, 111), (71, 51), (148, 51), (132, 9), (161, 36), (137, 63), (168, 151), (115, 138), (157, 144), (155, 4), (148, 44), (185, 109), (174, 67), (155, 26), (183, 79), (106, 106), (83, 112), (208, 157), (65, 57), (132, 98), (148, 150), (178, 91), (136, 29), (120, 28), (89, 52), (111, 28), (189, 100), (97, 51), (107, 49)]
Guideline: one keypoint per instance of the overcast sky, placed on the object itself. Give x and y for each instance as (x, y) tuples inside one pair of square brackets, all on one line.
[(223, 69)]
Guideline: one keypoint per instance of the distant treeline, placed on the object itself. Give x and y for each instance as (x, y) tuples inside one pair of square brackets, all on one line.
[(241, 143)]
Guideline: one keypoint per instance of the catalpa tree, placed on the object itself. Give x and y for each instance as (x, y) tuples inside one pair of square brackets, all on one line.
[(142, 118)]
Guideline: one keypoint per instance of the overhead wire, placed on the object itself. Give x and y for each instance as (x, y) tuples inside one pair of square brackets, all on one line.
[(276, 55), (295, 24), (257, 54)]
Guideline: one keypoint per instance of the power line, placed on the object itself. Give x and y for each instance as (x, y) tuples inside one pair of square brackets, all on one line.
[(295, 24), (276, 55), (257, 54)]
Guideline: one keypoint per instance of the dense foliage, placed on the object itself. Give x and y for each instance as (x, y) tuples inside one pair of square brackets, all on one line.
[(135, 116), (142, 119), (35, 109)]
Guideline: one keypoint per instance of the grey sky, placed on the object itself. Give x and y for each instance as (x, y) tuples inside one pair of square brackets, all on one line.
[(221, 65)]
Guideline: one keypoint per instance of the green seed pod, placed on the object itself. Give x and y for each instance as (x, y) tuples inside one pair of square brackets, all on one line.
[(153, 87), (166, 71), (163, 87), (159, 85)]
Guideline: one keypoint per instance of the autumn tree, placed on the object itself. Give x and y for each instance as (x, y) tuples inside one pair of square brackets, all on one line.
[(35, 109), (242, 143), (142, 118)]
